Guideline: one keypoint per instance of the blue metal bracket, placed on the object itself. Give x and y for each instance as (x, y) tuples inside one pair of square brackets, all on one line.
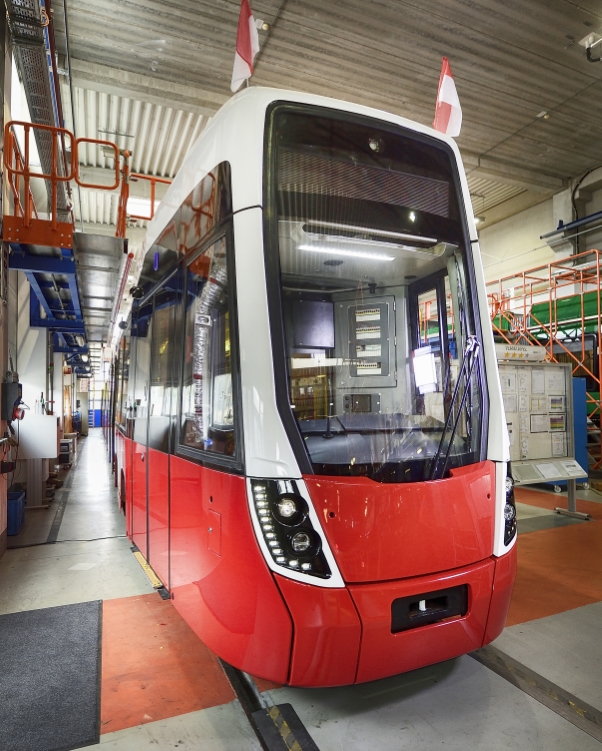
[(60, 344), (54, 301), (42, 264)]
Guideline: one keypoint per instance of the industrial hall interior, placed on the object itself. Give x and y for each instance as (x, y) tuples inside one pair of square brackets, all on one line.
[(300, 375)]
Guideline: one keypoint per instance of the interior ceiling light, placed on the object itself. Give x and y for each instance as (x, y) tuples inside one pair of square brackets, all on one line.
[(479, 219), (322, 228), (350, 246), (346, 252)]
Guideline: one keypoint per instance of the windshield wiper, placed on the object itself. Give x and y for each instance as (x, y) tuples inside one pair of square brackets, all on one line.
[(468, 362)]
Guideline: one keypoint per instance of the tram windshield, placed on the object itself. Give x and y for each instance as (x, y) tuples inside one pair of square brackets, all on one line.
[(381, 360)]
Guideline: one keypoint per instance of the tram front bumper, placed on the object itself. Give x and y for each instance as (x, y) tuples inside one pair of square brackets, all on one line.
[(356, 634)]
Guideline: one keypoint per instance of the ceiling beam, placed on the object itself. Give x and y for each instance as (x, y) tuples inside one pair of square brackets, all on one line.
[(512, 174), (513, 206), (143, 88)]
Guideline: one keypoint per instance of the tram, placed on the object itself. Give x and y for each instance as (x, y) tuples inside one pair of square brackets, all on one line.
[(310, 439)]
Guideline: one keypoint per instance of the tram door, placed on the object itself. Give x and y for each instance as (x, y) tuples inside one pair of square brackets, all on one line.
[(141, 334), (162, 401)]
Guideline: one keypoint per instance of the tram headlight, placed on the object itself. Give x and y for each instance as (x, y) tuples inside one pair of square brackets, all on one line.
[(509, 509), (287, 507), (282, 519), (509, 512), (301, 542)]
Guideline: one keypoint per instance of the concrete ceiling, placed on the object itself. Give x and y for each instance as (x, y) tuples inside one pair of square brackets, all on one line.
[(511, 61), (149, 74)]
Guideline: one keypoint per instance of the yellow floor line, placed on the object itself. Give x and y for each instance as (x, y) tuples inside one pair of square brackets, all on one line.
[(153, 578)]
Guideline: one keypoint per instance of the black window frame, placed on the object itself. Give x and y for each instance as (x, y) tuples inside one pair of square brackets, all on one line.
[(122, 393), (153, 283), (434, 281), (273, 275), (232, 464)]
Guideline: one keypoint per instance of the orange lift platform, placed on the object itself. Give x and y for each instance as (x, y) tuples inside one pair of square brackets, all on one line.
[(45, 246)]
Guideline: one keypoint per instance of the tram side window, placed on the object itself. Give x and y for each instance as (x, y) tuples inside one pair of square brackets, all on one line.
[(142, 327), (162, 375), (122, 384), (208, 410)]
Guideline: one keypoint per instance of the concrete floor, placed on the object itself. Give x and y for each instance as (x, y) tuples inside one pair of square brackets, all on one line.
[(556, 615), (457, 705), (80, 568)]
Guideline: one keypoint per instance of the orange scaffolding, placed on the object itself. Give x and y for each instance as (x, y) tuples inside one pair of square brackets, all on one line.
[(558, 306)]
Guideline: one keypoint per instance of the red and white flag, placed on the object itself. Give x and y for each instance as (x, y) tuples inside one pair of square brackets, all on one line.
[(448, 113), (247, 46)]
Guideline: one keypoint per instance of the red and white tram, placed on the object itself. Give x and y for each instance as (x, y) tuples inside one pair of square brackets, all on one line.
[(311, 444)]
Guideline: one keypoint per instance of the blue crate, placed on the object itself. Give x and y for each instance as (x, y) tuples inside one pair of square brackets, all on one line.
[(16, 511)]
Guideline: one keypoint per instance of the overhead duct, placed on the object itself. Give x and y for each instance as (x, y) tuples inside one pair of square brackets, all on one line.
[(563, 240)]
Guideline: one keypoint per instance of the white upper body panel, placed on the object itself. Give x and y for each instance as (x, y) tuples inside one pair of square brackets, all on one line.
[(236, 135)]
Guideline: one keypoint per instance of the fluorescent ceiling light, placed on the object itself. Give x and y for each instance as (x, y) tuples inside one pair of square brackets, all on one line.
[(140, 206), (346, 252)]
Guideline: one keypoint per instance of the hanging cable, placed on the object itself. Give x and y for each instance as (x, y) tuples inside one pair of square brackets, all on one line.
[(577, 184), (79, 192), (269, 27)]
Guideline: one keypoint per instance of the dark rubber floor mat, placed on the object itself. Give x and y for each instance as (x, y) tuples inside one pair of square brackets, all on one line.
[(50, 678)]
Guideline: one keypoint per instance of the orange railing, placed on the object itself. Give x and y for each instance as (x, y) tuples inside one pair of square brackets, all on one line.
[(24, 224), (21, 168), (15, 183), (61, 172), (124, 194), (135, 177)]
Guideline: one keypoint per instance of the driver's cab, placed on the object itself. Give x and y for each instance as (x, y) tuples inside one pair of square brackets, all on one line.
[(375, 296)]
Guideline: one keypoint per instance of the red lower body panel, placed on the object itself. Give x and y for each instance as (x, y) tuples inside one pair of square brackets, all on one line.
[(119, 449), (344, 636), (220, 582), (124, 470), (383, 653), (139, 522), (327, 634), (434, 526), (277, 628), (158, 513), (503, 584)]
